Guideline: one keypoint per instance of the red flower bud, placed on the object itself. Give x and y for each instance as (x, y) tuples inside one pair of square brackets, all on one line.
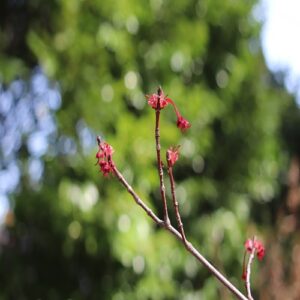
[(160, 101), (257, 245), (103, 157), (260, 250), (157, 101), (183, 124), (105, 167), (172, 155)]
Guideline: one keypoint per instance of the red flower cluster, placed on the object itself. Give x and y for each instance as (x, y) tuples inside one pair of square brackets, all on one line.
[(250, 246), (182, 123), (257, 245), (104, 157), (172, 155), (159, 101)]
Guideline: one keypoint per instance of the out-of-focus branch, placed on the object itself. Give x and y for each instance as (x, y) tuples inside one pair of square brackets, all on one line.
[(248, 274), (248, 271)]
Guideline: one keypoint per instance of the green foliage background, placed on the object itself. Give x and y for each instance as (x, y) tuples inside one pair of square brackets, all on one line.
[(106, 56)]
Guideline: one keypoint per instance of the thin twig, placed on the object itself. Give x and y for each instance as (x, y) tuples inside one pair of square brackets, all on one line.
[(248, 272), (159, 162), (175, 202), (190, 248), (137, 199)]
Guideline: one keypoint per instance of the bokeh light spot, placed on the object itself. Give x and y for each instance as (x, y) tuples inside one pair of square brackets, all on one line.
[(177, 61), (222, 79), (124, 223), (138, 264), (132, 25), (131, 80), (107, 93), (74, 230)]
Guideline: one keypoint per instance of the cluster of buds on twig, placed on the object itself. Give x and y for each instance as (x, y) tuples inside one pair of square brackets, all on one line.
[(104, 157), (159, 101), (256, 246), (252, 247)]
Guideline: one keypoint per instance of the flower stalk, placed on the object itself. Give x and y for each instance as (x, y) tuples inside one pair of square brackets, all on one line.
[(248, 274), (158, 101), (158, 158), (252, 246), (172, 156)]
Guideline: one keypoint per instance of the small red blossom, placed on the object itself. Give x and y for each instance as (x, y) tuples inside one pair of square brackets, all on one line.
[(99, 154), (105, 151), (103, 157), (257, 245), (252, 246), (172, 155), (249, 245), (260, 251), (105, 167), (158, 101), (106, 148), (183, 124)]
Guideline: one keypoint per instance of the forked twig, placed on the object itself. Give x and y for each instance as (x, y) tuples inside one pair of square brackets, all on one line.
[(190, 248), (104, 158)]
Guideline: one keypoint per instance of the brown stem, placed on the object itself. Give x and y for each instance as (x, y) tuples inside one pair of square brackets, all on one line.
[(175, 202), (248, 272), (190, 248), (159, 162)]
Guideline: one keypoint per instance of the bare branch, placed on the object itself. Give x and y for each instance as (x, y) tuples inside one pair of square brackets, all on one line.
[(248, 272), (190, 248)]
